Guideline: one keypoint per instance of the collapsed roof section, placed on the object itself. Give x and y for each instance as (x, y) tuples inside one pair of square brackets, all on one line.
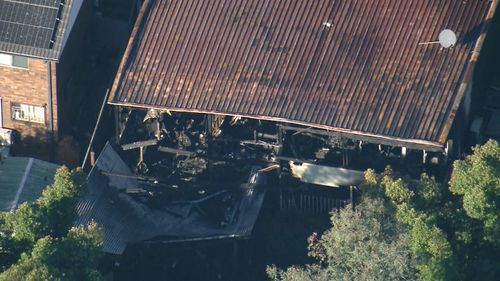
[(208, 213), (353, 67)]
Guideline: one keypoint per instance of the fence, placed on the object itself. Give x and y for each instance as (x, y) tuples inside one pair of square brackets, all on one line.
[(309, 203)]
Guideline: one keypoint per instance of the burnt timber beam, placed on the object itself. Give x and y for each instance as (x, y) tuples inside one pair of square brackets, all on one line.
[(136, 177), (118, 123), (122, 115), (267, 136), (176, 151), (371, 139), (139, 144), (260, 143), (295, 160)]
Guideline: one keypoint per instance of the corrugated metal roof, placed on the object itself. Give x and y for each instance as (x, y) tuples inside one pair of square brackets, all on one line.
[(344, 65), (33, 28), (23, 179)]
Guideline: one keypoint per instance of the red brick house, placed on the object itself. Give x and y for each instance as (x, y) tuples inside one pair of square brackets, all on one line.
[(39, 43)]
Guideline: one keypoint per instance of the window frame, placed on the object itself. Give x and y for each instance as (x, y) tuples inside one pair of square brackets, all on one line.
[(30, 121), (12, 61)]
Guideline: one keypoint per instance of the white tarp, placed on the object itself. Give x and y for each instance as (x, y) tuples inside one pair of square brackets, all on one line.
[(327, 176)]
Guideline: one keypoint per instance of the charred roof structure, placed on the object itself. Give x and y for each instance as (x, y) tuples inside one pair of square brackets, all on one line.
[(134, 209), (353, 68)]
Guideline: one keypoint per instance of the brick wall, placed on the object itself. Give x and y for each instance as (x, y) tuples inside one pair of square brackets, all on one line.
[(28, 86)]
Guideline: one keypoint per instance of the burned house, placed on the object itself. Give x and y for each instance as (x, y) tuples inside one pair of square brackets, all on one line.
[(316, 91), (351, 75)]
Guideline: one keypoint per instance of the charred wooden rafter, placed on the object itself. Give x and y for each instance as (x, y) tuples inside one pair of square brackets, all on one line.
[(366, 138), (176, 151), (139, 144)]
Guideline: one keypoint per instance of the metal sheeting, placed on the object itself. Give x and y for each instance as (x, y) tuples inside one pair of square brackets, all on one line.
[(33, 28), (125, 220), (350, 66), (21, 181)]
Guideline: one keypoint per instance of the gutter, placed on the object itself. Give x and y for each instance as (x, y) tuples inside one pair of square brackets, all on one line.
[(50, 109), (49, 96)]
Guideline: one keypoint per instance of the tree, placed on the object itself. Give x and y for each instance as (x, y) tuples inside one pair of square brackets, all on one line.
[(415, 204), (73, 257), (477, 181), (19, 232), (38, 241), (366, 244), (57, 204), (475, 212), (52, 214)]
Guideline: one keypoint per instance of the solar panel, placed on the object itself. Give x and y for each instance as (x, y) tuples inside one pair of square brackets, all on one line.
[(47, 3), (28, 22)]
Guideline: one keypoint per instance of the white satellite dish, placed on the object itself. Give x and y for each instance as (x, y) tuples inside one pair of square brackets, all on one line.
[(447, 39)]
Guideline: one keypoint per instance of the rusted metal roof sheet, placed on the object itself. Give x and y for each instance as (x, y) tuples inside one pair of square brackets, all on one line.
[(351, 66)]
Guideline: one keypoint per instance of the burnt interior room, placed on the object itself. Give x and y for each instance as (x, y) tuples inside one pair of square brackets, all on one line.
[(192, 147)]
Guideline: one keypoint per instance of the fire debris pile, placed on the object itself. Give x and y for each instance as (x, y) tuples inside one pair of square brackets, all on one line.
[(163, 182), (182, 144), (134, 208), (174, 177)]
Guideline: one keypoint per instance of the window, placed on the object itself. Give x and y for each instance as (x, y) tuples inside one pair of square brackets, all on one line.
[(5, 59), (28, 113), (14, 61)]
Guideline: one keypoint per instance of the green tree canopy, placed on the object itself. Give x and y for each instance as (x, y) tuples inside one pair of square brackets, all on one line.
[(366, 244), (477, 180), (414, 203), (38, 242), (73, 257)]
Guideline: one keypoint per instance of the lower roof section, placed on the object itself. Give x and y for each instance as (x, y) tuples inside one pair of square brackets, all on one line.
[(127, 220), (22, 180), (352, 67)]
